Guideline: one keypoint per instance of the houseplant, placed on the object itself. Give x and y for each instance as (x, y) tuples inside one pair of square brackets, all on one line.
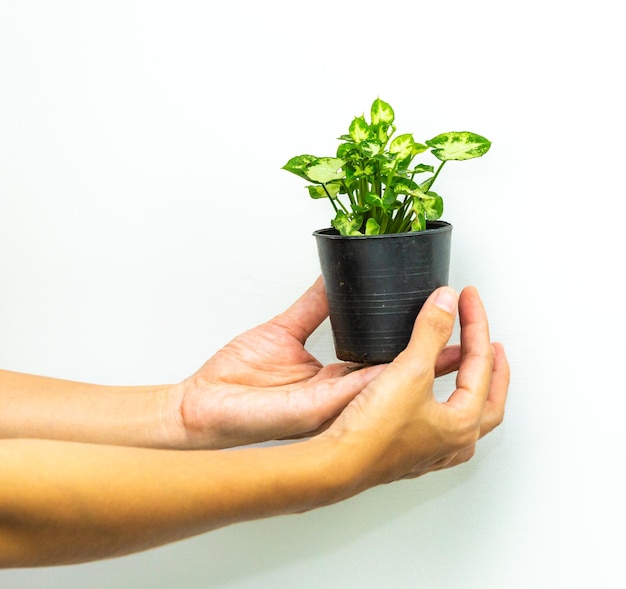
[(386, 249)]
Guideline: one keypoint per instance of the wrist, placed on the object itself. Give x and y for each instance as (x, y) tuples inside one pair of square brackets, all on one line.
[(141, 416), (342, 463), (171, 431)]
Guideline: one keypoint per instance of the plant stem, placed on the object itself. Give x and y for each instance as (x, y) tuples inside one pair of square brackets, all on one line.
[(332, 201), (384, 224), (432, 181), (363, 190), (389, 180), (400, 216), (349, 193)]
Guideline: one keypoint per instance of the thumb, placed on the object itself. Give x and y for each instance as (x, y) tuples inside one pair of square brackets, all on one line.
[(304, 316), (433, 326)]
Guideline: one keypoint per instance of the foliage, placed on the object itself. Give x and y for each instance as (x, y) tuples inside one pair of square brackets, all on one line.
[(371, 182)]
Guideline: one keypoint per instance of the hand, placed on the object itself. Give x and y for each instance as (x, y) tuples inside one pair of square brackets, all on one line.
[(264, 385), (396, 428)]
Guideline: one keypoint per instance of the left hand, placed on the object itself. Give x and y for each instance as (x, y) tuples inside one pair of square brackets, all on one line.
[(264, 385)]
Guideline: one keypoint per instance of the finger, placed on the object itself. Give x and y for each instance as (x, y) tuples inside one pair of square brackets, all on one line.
[(315, 406), (449, 360), (305, 315), (496, 400), (433, 328), (474, 376)]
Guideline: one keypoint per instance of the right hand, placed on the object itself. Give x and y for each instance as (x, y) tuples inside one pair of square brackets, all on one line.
[(395, 428)]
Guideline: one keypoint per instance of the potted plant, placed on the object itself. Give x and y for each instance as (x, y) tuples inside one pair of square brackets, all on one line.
[(386, 249)]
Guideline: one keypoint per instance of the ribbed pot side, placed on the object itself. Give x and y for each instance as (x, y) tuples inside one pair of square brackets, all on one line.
[(377, 284)]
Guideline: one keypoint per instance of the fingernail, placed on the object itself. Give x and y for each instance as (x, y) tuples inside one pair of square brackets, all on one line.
[(446, 298)]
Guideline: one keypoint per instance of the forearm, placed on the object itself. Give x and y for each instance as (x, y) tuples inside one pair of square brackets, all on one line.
[(64, 503), (49, 408)]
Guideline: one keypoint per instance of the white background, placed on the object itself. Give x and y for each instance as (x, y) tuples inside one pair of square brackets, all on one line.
[(145, 220)]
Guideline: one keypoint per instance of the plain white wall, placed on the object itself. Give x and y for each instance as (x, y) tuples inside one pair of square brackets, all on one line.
[(144, 221)]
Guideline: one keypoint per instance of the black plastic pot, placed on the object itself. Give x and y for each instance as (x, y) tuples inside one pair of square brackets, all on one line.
[(376, 285)]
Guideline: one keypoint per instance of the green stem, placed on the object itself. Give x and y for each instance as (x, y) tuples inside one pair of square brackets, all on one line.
[(389, 179), (400, 217), (432, 181), (378, 185), (385, 224), (332, 201), (349, 193), (363, 190)]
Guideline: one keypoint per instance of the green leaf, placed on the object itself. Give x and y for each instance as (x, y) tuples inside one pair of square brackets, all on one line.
[(412, 189), (458, 145), (404, 186), (317, 191), (372, 227), (325, 169), (298, 164), (347, 224), (371, 148), (433, 206), (324, 190), (360, 130), (384, 132), (382, 113), (334, 188), (373, 200), (419, 223), (419, 148), (360, 171), (425, 186), (402, 146), (347, 150), (420, 168)]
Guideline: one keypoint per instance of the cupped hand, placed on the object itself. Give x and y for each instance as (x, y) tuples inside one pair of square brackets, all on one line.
[(265, 385), (396, 428)]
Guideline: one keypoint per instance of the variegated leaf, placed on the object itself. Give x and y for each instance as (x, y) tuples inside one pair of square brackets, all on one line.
[(324, 190), (359, 130), (382, 113), (372, 227), (325, 169), (297, 165), (402, 146), (458, 145), (347, 224), (433, 206)]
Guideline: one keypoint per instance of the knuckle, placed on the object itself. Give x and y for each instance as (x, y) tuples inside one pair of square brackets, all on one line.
[(466, 431), (498, 419), (492, 421), (441, 328), (467, 454)]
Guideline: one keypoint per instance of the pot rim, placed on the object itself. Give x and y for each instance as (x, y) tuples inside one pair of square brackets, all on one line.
[(431, 227)]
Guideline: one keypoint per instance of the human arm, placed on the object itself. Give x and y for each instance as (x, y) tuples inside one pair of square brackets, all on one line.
[(263, 385), (36, 406), (67, 502)]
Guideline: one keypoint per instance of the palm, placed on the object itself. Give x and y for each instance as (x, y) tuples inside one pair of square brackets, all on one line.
[(265, 385), (266, 356)]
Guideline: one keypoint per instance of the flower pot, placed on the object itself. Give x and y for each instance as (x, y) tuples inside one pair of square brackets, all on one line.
[(376, 285)]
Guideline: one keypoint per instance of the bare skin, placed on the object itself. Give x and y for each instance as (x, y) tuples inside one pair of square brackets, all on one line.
[(263, 385), (63, 500)]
